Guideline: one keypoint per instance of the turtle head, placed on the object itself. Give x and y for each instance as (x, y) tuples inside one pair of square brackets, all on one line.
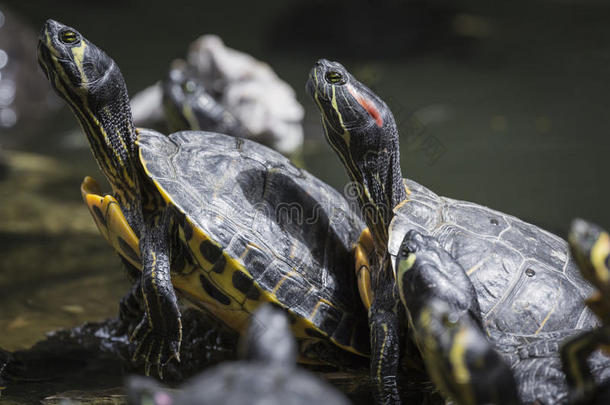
[(179, 94), (189, 105), (361, 129), (439, 326), (93, 87), (590, 246), (269, 338), (425, 271), (415, 270), (460, 359), (78, 71), (350, 110)]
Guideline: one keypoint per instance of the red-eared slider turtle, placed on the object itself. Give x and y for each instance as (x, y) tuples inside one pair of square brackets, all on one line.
[(442, 306), (525, 278), (591, 247), (466, 365), (266, 374), (226, 223), (188, 105)]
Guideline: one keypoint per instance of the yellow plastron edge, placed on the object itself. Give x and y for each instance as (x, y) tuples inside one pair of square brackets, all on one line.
[(111, 222)]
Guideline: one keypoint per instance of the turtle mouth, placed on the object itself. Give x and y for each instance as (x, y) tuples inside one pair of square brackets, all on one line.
[(47, 57), (315, 88), (45, 40), (43, 56)]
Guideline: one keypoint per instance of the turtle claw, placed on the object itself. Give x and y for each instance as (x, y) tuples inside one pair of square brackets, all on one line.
[(156, 347)]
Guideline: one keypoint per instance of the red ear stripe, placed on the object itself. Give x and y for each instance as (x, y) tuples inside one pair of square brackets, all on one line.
[(368, 105)]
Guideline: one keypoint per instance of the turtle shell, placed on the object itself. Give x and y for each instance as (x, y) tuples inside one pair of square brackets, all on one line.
[(241, 383), (247, 383), (254, 228), (526, 280)]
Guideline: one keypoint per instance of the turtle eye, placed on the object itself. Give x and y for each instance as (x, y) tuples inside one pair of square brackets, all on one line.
[(449, 320), (68, 37), (334, 77), (189, 86)]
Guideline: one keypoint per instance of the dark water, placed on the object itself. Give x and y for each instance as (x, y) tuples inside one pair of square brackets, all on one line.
[(505, 105)]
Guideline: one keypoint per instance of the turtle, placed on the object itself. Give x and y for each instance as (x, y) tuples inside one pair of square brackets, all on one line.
[(465, 363), (188, 105), (223, 223), (441, 304), (266, 373), (591, 247), (525, 278)]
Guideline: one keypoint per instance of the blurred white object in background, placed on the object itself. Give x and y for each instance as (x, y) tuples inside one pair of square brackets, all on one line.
[(248, 88)]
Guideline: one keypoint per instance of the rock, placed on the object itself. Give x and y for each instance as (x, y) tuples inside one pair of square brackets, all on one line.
[(249, 89), (146, 107)]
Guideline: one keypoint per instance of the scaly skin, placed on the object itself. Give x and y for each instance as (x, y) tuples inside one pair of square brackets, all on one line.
[(378, 192), (92, 85)]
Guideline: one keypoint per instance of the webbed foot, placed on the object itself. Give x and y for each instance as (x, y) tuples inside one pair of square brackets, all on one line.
[(157, 346)]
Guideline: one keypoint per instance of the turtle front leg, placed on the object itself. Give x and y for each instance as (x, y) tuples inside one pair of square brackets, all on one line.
[(385, 354), (574, 355), (385, 326), (159, 333), (383, 321)]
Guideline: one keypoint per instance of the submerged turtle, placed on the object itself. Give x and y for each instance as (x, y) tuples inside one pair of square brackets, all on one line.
[(188, 105), (591, 247), (226, 223), (525, 278), (266, 374)]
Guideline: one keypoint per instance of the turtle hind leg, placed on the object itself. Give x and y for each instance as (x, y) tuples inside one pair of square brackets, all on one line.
[(159, 333)]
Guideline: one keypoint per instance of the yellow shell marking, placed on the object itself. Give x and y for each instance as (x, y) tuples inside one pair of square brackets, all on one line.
[(111, 222)]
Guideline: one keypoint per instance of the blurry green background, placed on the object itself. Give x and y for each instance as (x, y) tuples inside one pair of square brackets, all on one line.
[(501, 103)]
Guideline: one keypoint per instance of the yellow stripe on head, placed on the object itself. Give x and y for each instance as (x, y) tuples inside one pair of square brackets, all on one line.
[(404, 266), (599, 255), (345, 135), (79, 57)]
